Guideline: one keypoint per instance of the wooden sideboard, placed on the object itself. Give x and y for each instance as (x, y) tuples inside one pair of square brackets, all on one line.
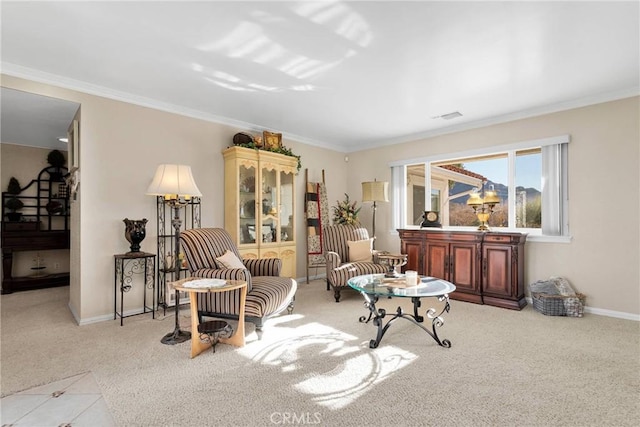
[(486, 267)]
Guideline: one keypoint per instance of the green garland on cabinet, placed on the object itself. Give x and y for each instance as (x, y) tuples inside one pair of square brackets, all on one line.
[(280, 150)]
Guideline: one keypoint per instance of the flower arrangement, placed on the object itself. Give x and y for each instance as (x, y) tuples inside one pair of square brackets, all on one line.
[(346, 212)]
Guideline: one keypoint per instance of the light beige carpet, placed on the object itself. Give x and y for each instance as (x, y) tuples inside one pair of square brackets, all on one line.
[(315, 367)]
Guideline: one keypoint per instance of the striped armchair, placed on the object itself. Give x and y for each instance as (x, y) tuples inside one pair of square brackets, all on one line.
[(339, 269), (267, 293)]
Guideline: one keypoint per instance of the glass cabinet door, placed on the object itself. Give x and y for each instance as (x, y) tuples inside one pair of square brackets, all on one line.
[(247, 200), (286, 207), (269, 206)]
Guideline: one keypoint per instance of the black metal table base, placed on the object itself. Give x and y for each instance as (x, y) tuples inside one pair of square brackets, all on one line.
[(176, 337), (378, 316), (213, 330)]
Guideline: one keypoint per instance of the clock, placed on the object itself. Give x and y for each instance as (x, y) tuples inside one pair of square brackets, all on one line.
[(431, 219)]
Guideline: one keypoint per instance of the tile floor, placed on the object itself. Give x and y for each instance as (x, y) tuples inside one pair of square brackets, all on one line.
[(71, 402)]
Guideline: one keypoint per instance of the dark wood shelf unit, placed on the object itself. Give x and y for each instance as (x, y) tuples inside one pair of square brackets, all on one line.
[(43, 225)]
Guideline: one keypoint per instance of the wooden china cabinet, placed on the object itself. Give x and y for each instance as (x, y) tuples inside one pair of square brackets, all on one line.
[(259, 210), (486, 267)]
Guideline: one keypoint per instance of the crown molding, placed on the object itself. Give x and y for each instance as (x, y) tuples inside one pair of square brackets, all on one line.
[(91, 89), (505, 118), (81, 86)]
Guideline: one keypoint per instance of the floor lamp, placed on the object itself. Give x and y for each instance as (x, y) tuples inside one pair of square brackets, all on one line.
[(375, 191), (176, 184)]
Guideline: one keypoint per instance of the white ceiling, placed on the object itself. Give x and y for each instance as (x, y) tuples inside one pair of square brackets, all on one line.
[(342, 75), (35, 120)]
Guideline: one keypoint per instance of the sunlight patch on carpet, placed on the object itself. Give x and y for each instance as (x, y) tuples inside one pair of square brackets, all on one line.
[(347, 371)]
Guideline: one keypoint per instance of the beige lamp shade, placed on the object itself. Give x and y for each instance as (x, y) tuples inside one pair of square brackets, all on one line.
[(491, 197), (375, 191), (173, 180), (474, 199)]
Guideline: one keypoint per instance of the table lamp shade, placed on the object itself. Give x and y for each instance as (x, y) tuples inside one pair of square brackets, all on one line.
[(173, 180), (375, 191)]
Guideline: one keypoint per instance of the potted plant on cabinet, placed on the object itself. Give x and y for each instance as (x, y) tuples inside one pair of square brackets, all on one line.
[(56, 159), (14, 204)]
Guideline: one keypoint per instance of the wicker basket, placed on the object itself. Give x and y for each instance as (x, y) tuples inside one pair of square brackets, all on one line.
[(559, 305)]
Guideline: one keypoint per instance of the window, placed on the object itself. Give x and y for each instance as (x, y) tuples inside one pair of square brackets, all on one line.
[(528, 182), (529, 179)]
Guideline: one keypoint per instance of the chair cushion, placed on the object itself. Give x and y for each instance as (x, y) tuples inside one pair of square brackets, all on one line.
[(339, 276), (230, 260), (269, 295), (360, 250)]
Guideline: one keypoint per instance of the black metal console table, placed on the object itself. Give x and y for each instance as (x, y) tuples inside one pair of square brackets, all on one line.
[(126, 266)]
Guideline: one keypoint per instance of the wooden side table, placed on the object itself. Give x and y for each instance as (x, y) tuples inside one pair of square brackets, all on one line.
[(237, 339), (126, 265)]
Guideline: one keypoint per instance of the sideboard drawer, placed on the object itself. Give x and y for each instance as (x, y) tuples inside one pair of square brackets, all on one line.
[(504, 238)]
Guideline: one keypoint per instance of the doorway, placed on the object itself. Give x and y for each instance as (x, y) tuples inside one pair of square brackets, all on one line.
[(33, 126)]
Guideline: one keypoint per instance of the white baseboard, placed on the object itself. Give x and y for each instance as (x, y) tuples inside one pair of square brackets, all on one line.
[(107, 317), (315, 277), (611, 313)]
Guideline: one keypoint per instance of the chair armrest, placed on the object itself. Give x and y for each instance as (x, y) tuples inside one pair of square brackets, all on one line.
[(333, 260), (225, 273), (263, 266)]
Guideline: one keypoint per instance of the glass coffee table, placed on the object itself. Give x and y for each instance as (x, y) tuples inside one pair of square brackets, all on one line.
[(375, 286)]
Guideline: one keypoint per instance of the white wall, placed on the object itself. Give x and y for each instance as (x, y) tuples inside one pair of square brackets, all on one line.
[(603, 257), (121, 145)]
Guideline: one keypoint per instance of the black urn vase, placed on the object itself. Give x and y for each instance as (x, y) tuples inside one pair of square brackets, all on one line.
[(135, 232)]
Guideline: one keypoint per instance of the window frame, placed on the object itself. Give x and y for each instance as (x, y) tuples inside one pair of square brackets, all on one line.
[(554, 174)]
